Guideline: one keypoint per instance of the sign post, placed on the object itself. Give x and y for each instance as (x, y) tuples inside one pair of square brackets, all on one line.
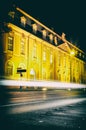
[(20, 71)]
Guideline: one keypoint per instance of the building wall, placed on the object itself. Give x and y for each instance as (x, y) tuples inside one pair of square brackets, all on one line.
[(40, 59)]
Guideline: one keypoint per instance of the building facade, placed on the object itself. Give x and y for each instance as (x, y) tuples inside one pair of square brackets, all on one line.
[(30, 50)]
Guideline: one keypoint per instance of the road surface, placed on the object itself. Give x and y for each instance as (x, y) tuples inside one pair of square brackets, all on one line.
[(54, 109)]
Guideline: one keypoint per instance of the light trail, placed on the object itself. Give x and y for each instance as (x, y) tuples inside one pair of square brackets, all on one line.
[(41, 83), (41, 106)]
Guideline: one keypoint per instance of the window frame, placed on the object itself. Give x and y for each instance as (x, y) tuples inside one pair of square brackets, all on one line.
[(10, 43)]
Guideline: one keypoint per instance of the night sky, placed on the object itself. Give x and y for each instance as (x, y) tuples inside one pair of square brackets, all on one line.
[(66, 16)]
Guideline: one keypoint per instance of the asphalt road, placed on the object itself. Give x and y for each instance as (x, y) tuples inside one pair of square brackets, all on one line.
[(54, 109)]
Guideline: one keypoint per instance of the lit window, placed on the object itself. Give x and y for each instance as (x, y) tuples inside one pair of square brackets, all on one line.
[(63, 36), (51, 37), (55, 41), (44, 33), (10, 43), (23, 21), (22, 47), (34, 28)]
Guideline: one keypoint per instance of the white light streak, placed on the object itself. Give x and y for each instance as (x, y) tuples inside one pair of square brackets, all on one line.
[(41, 83), (47, 105)]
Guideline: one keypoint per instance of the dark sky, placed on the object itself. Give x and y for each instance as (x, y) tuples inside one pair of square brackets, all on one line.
[(68, 16)]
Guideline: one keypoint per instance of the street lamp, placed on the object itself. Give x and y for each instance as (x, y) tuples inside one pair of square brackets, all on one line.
[(72, 52)]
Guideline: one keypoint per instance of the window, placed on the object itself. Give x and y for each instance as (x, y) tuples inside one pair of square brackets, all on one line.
[(59, 60), (44, 33), (22, 66), (10, 43), (83, 56), (9, 69), (51, 58), (11, 14), (34, 28), (55, 40), (23, 21), (63, 35), (32, 73), (80, 54), (64, 61), (22, 46), (44, 73), (34, 51), (44, 55), (51, 75), (51, 37)]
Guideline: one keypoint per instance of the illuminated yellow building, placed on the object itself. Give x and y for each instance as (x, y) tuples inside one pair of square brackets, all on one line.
[(30, 50)]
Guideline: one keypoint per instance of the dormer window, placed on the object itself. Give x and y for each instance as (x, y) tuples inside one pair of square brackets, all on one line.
[(11, 14), (80, 54), (83, 56), (51, 37), (44, 33), (23, 21), (63, 36), (34, 28), (55, 40)]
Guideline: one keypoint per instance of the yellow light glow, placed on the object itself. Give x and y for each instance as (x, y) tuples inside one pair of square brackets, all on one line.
[(72, 53), (44, 89)]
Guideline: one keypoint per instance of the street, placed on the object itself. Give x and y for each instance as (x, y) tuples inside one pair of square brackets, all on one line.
[(51, 109)]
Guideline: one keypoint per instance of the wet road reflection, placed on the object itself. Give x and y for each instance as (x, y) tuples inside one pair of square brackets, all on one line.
[(55, 109)]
